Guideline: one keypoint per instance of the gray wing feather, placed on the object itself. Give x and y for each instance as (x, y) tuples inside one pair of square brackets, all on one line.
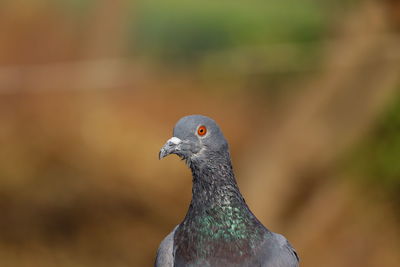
[(165, 253), (279, 252)]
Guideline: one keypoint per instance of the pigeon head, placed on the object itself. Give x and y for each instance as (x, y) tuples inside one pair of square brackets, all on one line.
[(195, 138)]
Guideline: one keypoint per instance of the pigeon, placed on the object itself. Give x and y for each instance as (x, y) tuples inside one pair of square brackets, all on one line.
[(219, 229)]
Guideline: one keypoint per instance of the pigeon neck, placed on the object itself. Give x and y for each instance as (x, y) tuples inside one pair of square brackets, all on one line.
[(214, 184), (218, 216), (218, 223)]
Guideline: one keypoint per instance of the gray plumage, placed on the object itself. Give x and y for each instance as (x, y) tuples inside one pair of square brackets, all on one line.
[(219, 228)]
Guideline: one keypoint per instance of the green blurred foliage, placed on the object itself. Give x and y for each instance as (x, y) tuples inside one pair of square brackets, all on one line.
[(184, 31), (378, 157), (75, 5)]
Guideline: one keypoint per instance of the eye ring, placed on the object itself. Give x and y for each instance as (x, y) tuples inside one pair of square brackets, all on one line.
[(202, 130)]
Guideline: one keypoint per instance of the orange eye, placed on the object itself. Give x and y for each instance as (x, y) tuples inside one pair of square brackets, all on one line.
[(202, 130)]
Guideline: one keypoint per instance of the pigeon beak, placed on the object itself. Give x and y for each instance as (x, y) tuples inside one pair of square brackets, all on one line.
[(170, 147)]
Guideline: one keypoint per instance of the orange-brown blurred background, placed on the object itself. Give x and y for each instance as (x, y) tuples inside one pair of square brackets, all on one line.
[(307, 93)]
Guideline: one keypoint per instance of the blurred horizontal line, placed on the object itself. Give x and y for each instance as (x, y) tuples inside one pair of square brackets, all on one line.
[(82, 75), (100, 74)]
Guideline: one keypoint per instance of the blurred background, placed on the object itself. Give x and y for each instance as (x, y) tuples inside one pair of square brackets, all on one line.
[(307, 93)]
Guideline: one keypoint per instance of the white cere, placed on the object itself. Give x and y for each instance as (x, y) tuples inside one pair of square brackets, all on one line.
[(175, 140)]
